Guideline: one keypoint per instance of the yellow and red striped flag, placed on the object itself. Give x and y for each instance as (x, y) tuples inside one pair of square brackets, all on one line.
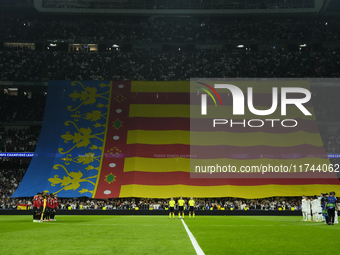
[(151, 158)]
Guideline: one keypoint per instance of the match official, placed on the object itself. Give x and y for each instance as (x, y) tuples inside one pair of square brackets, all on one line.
[(172, 208), (181, 203), (330, 205), (192, 208)]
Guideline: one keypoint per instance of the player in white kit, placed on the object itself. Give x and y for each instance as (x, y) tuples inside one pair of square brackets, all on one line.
[(304, 208), (315, 204), (313, 207), (336, 220), (308, 208), (319, 208)]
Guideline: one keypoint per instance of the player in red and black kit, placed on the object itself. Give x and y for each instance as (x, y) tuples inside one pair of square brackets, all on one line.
[(37, 207), (49, 207), (54, 206)]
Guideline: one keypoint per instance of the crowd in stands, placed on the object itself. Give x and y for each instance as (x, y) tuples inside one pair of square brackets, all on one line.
[(180, 4), (22, 108), (78, 66), (10, 178), (209, 31), (330, 137), (95, 29), (176, 65), (19, 139), (218, 63), (22, 66), (201, 204), (325, 103), (332, 143), (274, 203)]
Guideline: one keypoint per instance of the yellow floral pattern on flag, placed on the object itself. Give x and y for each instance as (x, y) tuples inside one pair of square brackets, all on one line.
[(83, 142)]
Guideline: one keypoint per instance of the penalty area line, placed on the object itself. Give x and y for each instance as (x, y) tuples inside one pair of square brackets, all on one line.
[(198, 249)]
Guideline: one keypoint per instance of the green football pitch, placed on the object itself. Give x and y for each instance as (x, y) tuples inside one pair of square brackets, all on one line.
[(159, 235)]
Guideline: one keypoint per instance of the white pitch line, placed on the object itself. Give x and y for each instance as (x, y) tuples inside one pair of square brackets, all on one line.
[(266, 225), (198, 249), (82, 224)]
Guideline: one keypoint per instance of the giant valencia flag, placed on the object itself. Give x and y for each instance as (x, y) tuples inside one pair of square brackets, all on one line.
[(105, 139)]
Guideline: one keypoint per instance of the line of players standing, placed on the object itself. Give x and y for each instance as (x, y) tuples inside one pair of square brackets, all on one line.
[(44, 207), (323, 208)]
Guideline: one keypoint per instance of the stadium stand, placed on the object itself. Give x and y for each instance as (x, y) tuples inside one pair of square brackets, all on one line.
[(161, 49), (11, 173), (20, 139), (94, 29), (150, 65), (176, 4)]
